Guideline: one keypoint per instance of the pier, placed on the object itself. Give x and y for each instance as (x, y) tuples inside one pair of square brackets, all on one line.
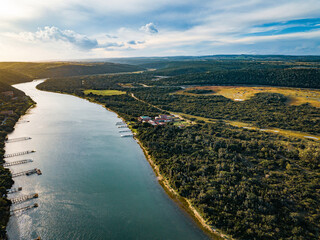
[(28, 173), (23, 198), (17, 139), (120, 123), (122, 126), (8, 164), (14, 190), (24, 208), (127, 135), (123, 131), (18, 154)]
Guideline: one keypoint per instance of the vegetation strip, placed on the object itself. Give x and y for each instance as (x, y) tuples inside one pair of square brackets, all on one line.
[(13, 104)]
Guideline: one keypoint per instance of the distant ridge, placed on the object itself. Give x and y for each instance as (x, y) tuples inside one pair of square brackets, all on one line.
[(10, 77), (32, 70)]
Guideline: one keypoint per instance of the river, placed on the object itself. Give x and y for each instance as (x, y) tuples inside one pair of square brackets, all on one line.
[(95, 184)]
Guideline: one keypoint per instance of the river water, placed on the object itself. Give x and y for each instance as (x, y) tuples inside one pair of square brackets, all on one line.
[(95, 184)]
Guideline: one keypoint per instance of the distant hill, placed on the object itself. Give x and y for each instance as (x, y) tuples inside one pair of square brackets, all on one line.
[(6, 87), (9, 77), (65, 69)]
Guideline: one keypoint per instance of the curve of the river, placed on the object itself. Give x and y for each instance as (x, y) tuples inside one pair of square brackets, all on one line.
[(95, 184)]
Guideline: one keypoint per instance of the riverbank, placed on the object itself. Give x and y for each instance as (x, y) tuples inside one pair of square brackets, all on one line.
[(6, 178), (183, 203)]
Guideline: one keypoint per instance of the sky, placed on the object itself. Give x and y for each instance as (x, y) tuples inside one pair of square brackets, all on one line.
[(37, 30)]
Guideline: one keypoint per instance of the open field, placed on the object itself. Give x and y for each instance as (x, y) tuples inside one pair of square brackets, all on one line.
[(104, 92), (297, 96)]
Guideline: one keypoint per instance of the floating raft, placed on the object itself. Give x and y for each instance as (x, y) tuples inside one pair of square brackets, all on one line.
[(18, 153), (8, 164), (17, 139), (24, 198)]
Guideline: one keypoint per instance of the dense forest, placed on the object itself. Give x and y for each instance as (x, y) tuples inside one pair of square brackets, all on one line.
[(18, 104), (249, 184), (293, 77)]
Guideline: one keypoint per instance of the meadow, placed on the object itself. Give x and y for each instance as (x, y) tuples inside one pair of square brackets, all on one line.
[(103, 92), (296, 96)]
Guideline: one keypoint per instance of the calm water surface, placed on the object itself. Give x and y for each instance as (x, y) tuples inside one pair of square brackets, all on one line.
[(95, 184)]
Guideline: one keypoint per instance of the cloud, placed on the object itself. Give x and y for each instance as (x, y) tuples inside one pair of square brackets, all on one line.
[(149, 28), (133, 42), (187, 28), (49, 34), (111, 45), (111, 36)]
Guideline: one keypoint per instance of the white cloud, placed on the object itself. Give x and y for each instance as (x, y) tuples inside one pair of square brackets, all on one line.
[(187, 27), (149, 28), (48, 34)]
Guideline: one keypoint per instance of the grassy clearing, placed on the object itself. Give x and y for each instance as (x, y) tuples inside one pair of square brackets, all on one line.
[(297, 96), (103, 92), (126, 85)]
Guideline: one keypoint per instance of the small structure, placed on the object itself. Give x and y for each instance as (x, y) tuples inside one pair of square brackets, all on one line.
[(144, 118), (160, 120)]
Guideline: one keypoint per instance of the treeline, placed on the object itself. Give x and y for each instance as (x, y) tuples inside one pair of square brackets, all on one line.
[(98, 82), (292, 77), (18, 104)]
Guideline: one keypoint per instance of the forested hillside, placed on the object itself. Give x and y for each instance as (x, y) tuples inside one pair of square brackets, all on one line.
[(65, 69), (9, 77)]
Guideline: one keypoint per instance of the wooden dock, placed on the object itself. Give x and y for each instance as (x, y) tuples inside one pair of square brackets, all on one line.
[(23, 198), (24, 208), (14, 190), (127, 135), (17, 139), (123, 131), (8, 164), (27, 173), (18, 153)]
